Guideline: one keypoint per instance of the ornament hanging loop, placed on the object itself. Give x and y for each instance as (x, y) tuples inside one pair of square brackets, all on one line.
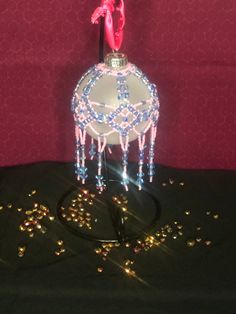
[(106, 10)]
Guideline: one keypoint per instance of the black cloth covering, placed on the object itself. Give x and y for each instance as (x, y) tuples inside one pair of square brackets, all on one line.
[(177, 280)]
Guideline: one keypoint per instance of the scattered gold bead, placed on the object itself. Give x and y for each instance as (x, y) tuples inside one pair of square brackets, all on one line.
[(129, 262), (22, 228), (60, 251), (136, 249), (19, 209), (129, 271), (43, 229), (198, 228), (198, 240), (191, 243), (171, 181), (179, 227), (105, 253), (216, 216), (180, 233), (100, 269), (164, 184), (51, 218), (187, 212), (98, 250), (208, 212), (20, 254), (127, 244), (208, 242), (60, 242), (174, 236), (181, 184), (42, 207), (38, 226), (31, 235), (9, 205), (22, 248)]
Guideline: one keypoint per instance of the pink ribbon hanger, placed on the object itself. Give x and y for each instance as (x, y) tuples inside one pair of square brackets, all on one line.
[(106, 10)]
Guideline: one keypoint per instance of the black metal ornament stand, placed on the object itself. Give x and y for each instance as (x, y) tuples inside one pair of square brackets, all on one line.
[(109, 222), (112, 224)]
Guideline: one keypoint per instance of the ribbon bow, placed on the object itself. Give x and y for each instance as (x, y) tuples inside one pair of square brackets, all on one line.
[(106, 9)]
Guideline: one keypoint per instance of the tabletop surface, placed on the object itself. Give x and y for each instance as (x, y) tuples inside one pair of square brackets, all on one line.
[(181, 275)]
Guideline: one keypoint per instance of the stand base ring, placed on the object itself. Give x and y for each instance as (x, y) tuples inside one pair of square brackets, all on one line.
[(113, 216)]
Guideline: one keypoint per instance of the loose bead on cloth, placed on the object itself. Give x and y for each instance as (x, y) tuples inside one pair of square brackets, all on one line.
[(123, 119)]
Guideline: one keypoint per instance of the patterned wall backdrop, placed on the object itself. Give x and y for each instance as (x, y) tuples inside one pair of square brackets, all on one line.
[(187, 47)]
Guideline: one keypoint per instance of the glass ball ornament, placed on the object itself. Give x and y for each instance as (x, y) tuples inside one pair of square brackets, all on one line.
[(114, 103)]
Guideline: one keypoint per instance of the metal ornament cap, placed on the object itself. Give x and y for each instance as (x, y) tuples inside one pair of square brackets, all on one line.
[(116, 60)]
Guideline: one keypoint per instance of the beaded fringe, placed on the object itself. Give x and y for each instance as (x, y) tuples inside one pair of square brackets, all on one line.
[(97, 150)]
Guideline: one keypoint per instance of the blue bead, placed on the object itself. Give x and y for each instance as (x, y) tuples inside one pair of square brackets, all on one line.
[(82, 172), (140, 175), (125, 182), (141, 154), (100, 117), (139, 182)]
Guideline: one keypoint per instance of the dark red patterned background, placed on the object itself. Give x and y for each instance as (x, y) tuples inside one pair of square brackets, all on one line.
[(187, 47)]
